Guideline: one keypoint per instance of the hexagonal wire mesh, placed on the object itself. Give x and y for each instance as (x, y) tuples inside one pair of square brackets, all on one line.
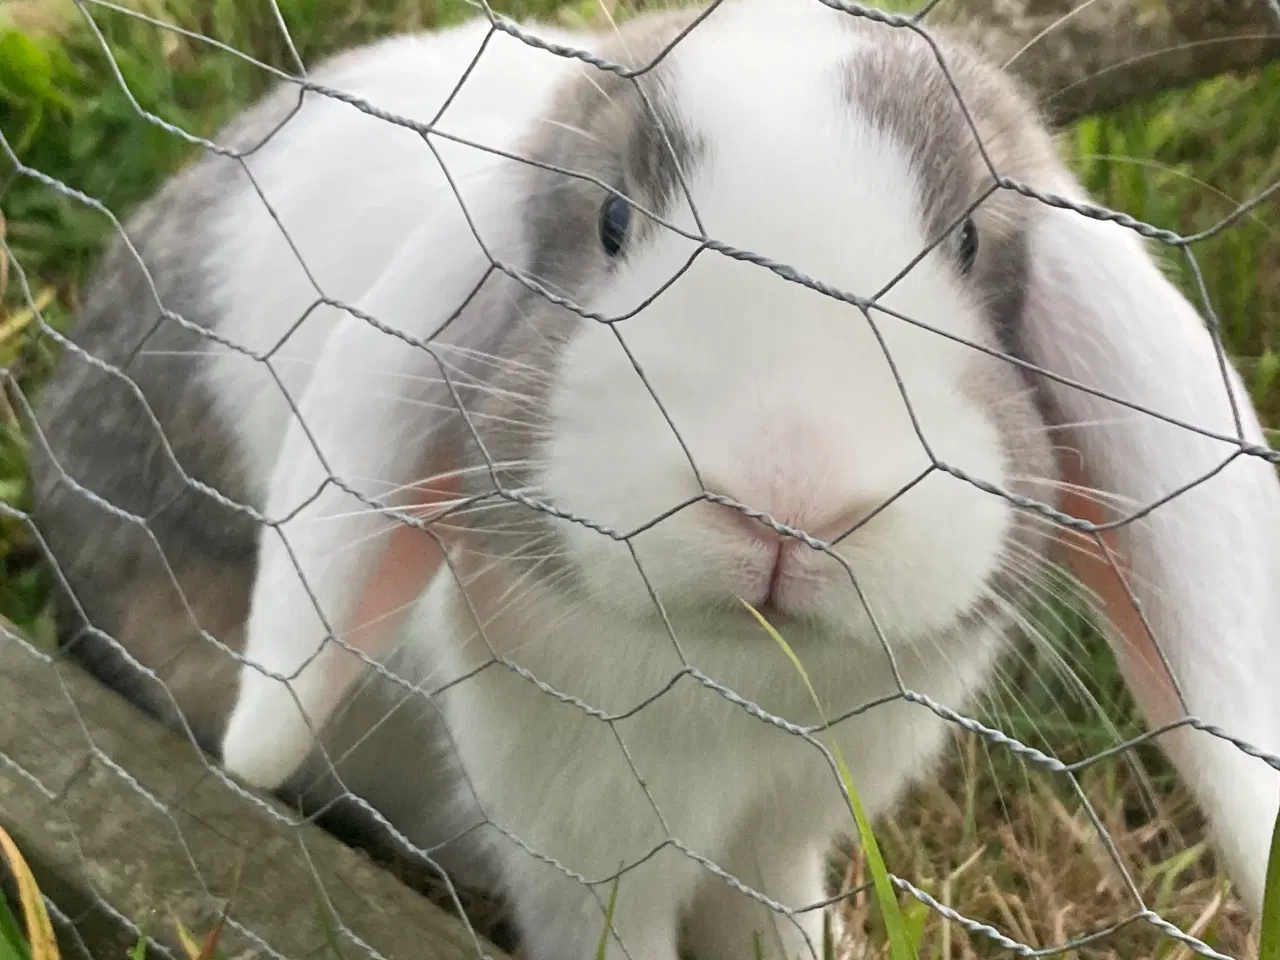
[(805, 735)]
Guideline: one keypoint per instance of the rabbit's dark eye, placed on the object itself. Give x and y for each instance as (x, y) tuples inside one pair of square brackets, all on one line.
[(615, 218), (968, 245)]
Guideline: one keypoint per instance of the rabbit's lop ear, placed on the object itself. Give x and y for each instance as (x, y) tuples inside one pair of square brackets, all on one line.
[(336, 572), (1188, 587)]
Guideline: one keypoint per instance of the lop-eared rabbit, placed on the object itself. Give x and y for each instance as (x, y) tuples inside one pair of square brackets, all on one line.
[(619, 434)]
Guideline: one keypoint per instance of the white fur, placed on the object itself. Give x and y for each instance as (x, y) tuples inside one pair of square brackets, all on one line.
[(365, 245), (758, 802), (1206, 563), (348, 189), (787, 404), (782, 394)]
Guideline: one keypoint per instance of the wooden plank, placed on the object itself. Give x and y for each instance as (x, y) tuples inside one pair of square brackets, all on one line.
[(123, 824)]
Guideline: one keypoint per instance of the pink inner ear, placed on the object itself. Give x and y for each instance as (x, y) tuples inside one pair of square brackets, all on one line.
[(1096, 569), (411, 559)]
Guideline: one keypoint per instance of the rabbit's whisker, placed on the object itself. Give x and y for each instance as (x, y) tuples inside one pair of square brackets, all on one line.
[(1046, 31)]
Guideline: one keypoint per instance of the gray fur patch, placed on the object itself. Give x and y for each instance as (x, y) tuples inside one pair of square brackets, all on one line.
[(623, 132), (193, 562), (940, 105), (905, 89)]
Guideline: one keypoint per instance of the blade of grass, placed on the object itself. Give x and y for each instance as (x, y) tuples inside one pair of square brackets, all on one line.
[(209, 950), (189, 945), (891, 914), (1269, 936), (43, 945), (19, 321), (139, 951), (917, 917), (13, 946), (608, 918)]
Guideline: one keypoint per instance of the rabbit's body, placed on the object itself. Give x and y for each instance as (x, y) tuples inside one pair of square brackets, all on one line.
[(216, 257), (602, 697), (705, 771)]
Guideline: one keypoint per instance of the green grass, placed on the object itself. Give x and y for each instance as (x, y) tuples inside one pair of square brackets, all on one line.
[(992, 837), (13, 942), (1269, 929), (32, 938), (890, 913)]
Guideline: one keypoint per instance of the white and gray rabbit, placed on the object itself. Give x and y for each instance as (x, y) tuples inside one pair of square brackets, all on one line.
[(579, 670)]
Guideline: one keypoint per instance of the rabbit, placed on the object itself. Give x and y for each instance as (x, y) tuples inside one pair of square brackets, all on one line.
[(599, 688), (559, 411)]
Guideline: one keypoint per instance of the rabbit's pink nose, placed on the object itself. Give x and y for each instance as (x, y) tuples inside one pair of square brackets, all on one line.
[(785, 579)]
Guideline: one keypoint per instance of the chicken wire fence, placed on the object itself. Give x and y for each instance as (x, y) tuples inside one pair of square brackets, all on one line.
[(806, 737)]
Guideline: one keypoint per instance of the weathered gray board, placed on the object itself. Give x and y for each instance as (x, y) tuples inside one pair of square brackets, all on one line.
[(99, 847)]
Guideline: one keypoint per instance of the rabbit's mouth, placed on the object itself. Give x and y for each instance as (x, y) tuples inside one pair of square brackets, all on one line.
[(783, 587), (773, 570)]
